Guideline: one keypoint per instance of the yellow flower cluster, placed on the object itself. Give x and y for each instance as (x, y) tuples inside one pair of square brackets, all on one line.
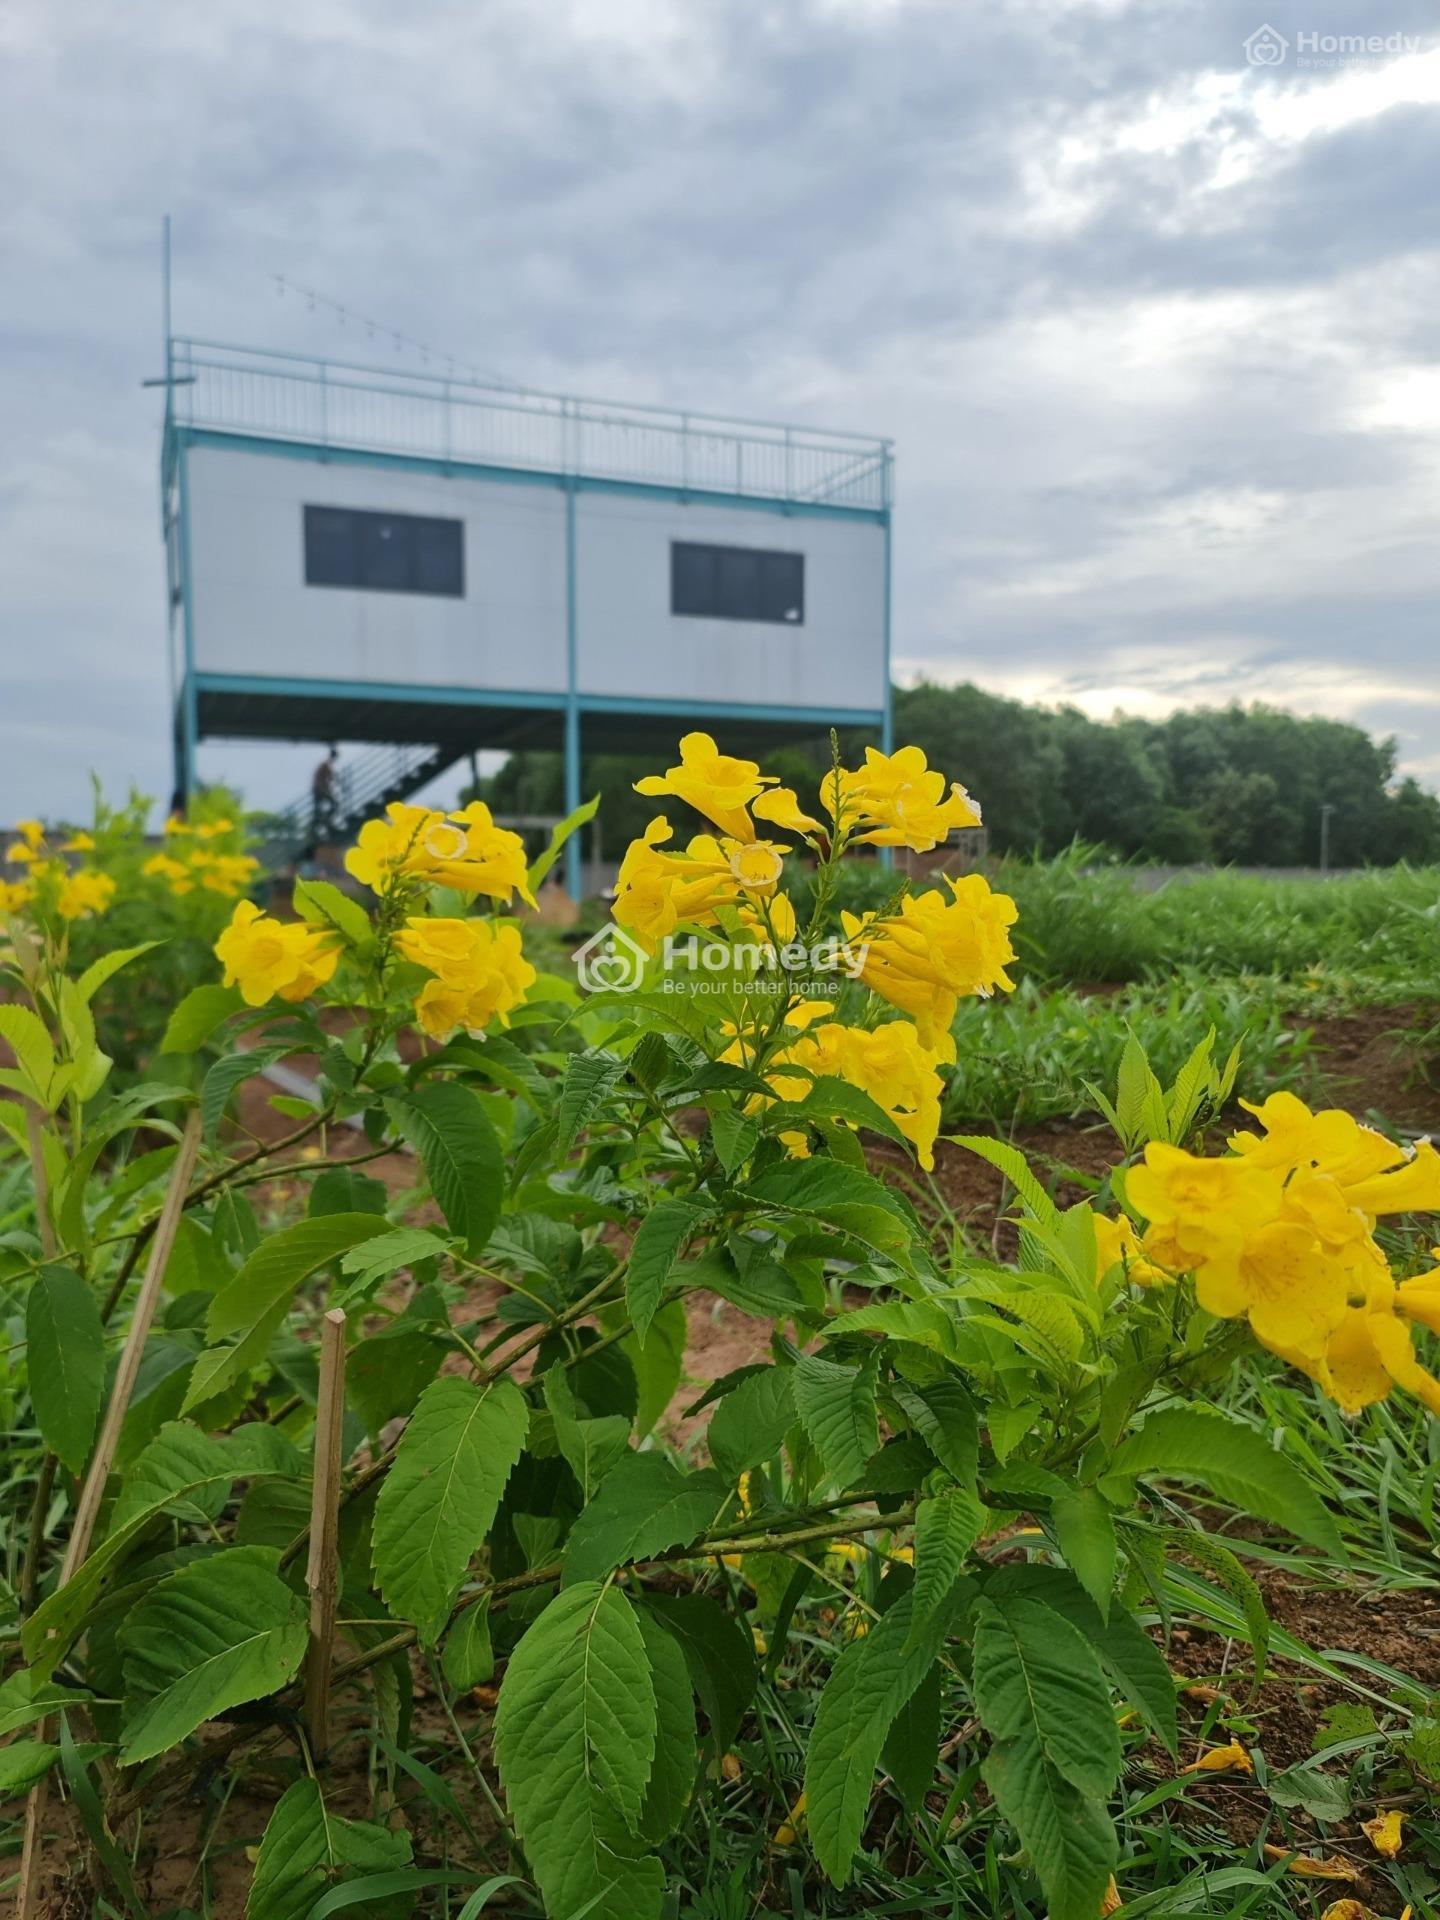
[(480, 972), (274, 959), (889, 1063), (936, 952), (77, 893), (190, 861), (1282, 1231), (420, 847), (658, 890)]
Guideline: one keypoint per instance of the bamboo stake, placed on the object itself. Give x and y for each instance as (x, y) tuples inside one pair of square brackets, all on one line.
[(91, 1494), (322, 1571), (160, 1249), (39, 1794)]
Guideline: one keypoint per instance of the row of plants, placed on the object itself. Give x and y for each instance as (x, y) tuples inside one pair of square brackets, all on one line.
[(260, 1464)]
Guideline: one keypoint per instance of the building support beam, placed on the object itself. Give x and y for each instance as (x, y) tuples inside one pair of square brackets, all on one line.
[(574, 861)]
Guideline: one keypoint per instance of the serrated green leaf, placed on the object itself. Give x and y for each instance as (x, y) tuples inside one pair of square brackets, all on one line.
[(590, 1446), (248, 1311), (306, 1848), (720, 1655), (26, 1036), (1067, 1835), (872, 1680), (439, 1499), (750, 1423), (575, 1733), (1217, 1559), (22, 1763), (1016, 1169), (230, 1071), (1037, 1684), (644, 1506), (673, 1774), (1086, 1532), (836, 1404), (946, 1527), (1233, 1461), (461, 1153), (66, 1353), (217, 1633), (559, 834), (659, 1363), (944, 1416), (657, 1246), (197, 1017), (912, 1747), (324, 905), (589, 1078), (469, 1658), (736, 1136)]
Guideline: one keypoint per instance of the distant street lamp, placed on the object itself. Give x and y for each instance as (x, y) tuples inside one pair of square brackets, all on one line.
[(1326, 810)]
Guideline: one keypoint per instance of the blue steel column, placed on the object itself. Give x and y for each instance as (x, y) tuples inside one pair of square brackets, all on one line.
[(574, 866), (189, 698)]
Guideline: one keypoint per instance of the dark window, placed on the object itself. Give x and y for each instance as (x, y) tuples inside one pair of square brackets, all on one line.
[(737, 583), (384, 552)]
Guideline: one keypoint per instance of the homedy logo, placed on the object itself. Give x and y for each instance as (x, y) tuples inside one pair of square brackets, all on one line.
[(612, 961), (1266, 47)]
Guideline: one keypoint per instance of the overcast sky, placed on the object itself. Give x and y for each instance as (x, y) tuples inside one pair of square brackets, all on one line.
[(1155, 329)]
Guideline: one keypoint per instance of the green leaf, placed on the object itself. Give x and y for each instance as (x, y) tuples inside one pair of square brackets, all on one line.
[(1086, 1532), (1129, 1656), (720, 1655), (659, 1363), (575, 1740), (735, 1135), (24, 1699), (1040, 1694), (672, 1776), (750, 1424), (944, 1416), (461, 1154), (439, 1500), (1321, 1795), (197, 1017), (107, 966), (1016, 1169), (836, 1405), (306, 1848), (1037, 1682), (643, 1507), (589, 1078), (657, 1246), (945, 1530), (66, 1350), (1235, 1464), (842, 1197), (912, 1747), (572, 823), (590, 1446), (217, 1633), (1217, 1559), (24, 1762), (249, 1310), (230, 1071), (346, 1190), (324, 905), (872, 1680), (469, 1658), (366, 1265), (179, 1464), (1067, 1835), (26, 1036)]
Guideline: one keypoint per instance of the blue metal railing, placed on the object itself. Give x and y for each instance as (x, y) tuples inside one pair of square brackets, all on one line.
[(253, 390)]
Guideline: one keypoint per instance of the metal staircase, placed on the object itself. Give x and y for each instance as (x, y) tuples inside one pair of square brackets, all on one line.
[(364, 788)]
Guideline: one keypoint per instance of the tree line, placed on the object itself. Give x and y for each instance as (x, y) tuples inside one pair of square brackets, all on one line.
[(1244, 786)]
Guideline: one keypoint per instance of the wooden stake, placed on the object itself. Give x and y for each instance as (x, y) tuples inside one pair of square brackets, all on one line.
[(146, 1302), (322, 1571), (93, 1490)]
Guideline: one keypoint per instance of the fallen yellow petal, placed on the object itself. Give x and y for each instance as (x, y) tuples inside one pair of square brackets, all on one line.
[(730, 1767), (1228, 1759), (788, 1830), (1306, 1867), (1350, 1910), (1110, 1901), (1383, 1832)]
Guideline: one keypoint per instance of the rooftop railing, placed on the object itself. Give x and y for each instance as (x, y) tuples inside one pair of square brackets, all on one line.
[(252, 390)]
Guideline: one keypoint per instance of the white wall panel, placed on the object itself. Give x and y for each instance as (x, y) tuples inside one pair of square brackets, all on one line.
[(254, 614), (629, 642)]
